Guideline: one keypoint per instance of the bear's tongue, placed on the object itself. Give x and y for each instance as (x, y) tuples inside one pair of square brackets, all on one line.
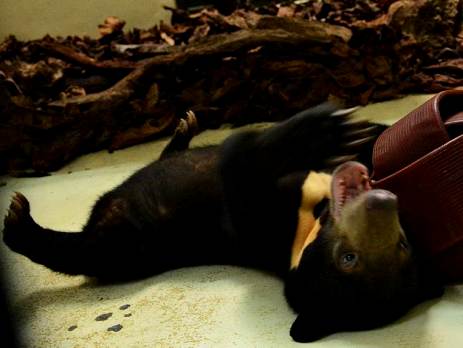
[(349, 180)]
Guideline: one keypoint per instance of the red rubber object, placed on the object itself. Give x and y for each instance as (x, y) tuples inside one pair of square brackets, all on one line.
[(420, 159)]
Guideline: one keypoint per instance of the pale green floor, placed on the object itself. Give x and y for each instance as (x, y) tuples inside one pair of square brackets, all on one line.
[(200, 307)]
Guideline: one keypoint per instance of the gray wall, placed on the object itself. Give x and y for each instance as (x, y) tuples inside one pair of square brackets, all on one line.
[(32, 19)]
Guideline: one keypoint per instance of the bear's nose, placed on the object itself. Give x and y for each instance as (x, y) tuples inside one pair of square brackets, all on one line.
[(381, 199)]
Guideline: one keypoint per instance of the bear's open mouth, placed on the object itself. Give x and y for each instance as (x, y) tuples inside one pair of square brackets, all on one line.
[(349, 181)]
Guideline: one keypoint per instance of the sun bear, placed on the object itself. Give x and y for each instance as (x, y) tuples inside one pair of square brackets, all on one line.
[(266, 199)]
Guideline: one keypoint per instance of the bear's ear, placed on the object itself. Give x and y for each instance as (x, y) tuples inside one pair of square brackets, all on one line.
[(309, 327)]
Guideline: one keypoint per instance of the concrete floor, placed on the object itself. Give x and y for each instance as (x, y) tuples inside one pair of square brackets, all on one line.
[(199, 307)]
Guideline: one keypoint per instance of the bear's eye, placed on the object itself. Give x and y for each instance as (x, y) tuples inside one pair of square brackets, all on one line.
[(349, 260), (403, 244)]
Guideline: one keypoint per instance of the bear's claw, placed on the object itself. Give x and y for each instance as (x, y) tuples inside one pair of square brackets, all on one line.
[(187, 126), (192, 122), (19, 209)]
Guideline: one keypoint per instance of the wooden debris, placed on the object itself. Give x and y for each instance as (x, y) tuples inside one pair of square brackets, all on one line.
[(61, 97)]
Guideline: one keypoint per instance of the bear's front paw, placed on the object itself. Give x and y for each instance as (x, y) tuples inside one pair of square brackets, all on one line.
[(349, 137)]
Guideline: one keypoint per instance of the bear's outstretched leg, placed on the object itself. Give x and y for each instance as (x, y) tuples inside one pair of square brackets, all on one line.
[(186, 129), (23, 235), (101, 249), (312, 139), (19, 225)]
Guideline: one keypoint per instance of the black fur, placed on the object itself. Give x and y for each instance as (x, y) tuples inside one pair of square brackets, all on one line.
[(235, 204)]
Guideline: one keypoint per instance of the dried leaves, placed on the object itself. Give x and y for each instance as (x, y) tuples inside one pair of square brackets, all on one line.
[(65, 96)]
